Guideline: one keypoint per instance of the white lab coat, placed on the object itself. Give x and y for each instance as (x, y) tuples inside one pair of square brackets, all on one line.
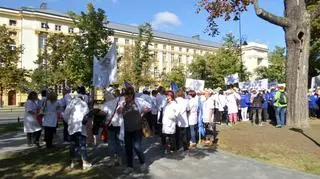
[(170, 114), (232, 103), (207, 109), (193, 115), (30, 121), (74, 115), (183, 107), (221, 102), (50, 114)]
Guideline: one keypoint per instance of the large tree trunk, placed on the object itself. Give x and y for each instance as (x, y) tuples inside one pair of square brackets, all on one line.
[(297, 36)]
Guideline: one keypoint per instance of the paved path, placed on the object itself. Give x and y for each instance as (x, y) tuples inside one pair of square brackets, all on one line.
[(197, 164)]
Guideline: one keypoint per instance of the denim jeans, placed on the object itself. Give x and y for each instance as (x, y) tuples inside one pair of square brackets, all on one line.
[(114, 146), (78, 146), (281, 115), (133, 141), (193, 133)]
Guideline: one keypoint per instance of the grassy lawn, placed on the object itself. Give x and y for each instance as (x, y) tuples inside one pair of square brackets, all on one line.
[(282, 147), (12, 127)]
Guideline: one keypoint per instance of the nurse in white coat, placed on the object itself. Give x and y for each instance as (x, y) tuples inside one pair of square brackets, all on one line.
[(183, 123), (169, 120), (31, 126), (232, 98), (193, 115)]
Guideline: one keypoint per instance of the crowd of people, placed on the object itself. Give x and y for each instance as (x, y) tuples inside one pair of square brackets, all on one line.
[(180, 118)]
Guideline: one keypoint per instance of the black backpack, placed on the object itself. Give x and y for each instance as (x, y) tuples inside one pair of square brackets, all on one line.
[(283, 99)]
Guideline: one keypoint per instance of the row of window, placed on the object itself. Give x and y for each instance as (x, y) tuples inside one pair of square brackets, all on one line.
[(156, 46), (45, 25)]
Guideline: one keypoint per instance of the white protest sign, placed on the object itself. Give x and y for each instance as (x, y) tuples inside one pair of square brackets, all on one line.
[(193, 84)]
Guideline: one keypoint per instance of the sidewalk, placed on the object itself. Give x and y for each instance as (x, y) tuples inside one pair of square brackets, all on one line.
[(199, 163)]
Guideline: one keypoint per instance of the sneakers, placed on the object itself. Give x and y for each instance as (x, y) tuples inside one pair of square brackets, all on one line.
[(128, 170), (260, 124), (278, 126), (86, 166)]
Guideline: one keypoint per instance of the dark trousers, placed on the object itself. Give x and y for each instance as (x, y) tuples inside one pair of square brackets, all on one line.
[(33, 137), (219, 116), (313, 112), (265, 115), (78, 146), (48, 135), (66, 136), (272, 114), (184, 137), (256, 115), (169, 141), (149, 118), (158, 124), (133, 141)]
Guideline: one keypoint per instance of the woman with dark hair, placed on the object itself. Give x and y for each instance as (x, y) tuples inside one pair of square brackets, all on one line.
[(193, 116), (50, 111), (183, 123), (169, 120), (31, 125), (132, 110)]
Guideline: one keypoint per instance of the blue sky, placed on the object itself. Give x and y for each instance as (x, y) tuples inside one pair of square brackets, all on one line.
[(173, 16)]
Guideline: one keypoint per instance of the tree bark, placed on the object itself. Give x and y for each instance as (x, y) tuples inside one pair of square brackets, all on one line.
[(296, 24), (297, 36)]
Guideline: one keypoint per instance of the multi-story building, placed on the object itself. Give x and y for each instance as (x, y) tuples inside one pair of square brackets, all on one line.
[(30, 28)]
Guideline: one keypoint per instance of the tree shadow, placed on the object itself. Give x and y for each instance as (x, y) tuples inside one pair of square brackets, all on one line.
[(300, 131), (30, 163)]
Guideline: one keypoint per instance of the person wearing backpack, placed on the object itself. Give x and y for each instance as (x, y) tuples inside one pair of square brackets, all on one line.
[(280, 103)]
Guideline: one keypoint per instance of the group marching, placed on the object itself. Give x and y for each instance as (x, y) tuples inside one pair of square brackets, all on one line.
[(180, 118)]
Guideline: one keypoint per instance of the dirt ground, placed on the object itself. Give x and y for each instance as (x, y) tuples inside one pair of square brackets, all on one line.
[(283, 147)]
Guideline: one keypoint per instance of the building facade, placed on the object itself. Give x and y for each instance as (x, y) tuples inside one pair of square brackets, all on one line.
[(30, 28)]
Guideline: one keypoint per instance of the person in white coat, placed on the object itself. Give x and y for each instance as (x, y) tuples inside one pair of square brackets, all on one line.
[(74, 115), (169, 120), (64, 102), (115, 130), (207, 116), (193, 116), (182, 134), (161, 102), (221, 105), (233, 106), (50, 118), (31, 126)]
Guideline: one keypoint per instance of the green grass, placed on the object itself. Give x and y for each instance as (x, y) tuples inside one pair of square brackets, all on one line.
[(12, 127)]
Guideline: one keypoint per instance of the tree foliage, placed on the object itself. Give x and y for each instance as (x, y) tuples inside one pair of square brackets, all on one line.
[(11, 77), (214, 67), (177, 75), (142, 55), (93, 40), (276, 69), (52, 70), (126, 71), (314, 59)]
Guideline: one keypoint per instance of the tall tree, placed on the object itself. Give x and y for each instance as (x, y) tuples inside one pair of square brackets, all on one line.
[(296, 24), (142, 55), (177, 75), (214, 67), (92, 40), (11, 77), (126, 67), (276, 69), (52, 70)]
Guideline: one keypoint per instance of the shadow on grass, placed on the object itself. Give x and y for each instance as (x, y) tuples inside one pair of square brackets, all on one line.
[(304, 134), (53, 163), (11, 127)]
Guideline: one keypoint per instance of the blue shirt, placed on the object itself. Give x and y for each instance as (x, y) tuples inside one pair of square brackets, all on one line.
[(266, 100), (313, 102), (244, 100), (271, 96)]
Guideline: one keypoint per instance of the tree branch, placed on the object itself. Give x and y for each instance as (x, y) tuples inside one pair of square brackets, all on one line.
[(265, 15)]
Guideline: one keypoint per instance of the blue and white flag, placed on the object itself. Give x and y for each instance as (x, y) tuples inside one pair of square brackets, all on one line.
[(231, 79), (174, 87)]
